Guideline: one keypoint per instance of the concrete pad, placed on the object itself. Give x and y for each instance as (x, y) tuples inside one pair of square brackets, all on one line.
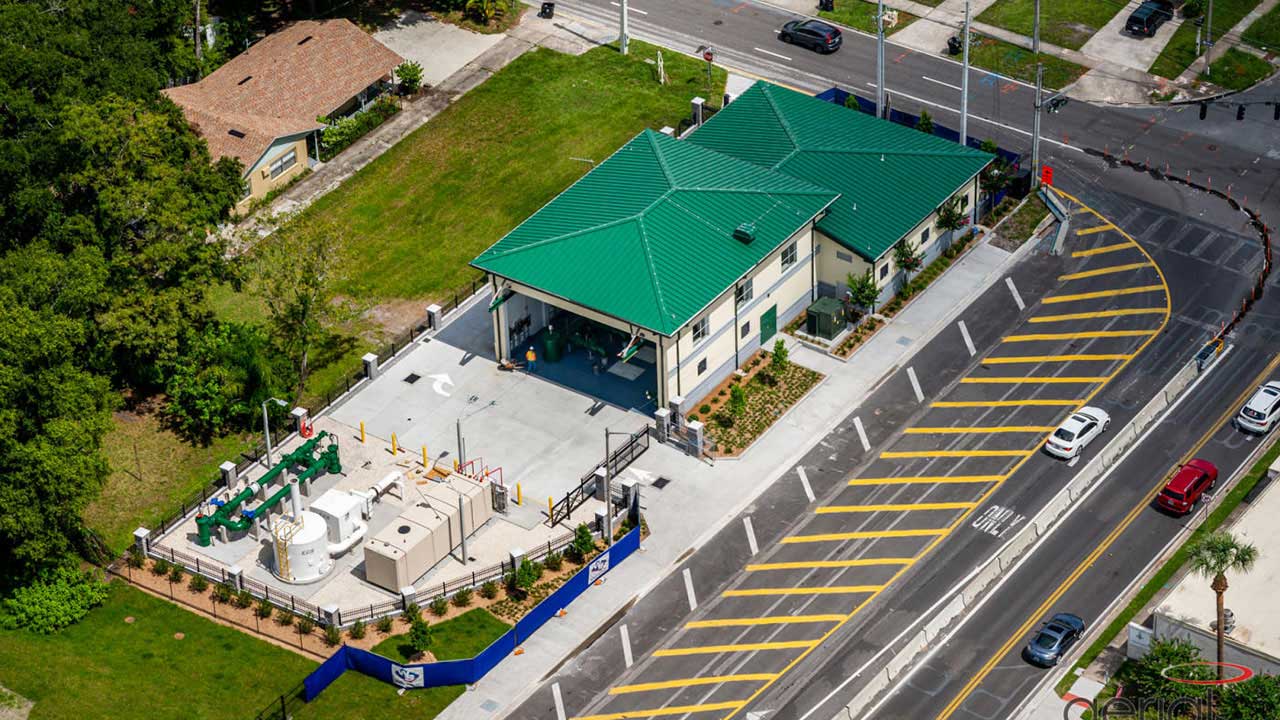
[(925, 35), (1117, 84), (1113, 44), (442, 49)]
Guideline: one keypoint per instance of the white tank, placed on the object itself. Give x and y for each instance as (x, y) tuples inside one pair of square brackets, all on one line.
[(301, 548)]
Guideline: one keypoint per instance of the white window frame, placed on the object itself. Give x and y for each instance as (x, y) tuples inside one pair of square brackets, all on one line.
[(792, 251), (282, 164), (744, 292), (701, 330)]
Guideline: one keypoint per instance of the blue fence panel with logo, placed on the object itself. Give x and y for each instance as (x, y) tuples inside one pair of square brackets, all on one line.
[(470, 670)]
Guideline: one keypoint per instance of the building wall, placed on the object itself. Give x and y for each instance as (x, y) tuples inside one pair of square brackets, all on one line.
[(1165, 627), (260, 185)]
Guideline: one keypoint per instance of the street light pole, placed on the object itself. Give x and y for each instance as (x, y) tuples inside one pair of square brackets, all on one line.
[(1035, 129), (1208, 37), (880, 92), (622, 24), (964, 82), (266, 424), (608, 493)]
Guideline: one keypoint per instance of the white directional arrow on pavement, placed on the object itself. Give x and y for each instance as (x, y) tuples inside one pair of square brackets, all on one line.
[(440, 381)]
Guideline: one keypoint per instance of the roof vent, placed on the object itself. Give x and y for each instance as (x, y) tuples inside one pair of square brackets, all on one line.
[(235, 133), (745, 233), (246, 79), (304, 40)]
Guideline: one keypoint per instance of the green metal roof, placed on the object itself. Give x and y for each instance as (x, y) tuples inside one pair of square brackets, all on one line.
[(647, 236), (890, 177)]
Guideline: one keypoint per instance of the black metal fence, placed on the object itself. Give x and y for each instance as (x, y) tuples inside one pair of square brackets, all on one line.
[(618, 460), (283, 707)]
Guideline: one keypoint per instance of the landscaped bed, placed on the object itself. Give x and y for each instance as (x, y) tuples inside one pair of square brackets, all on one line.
[(1017, 62), (1238, 70), (1066, 23), (861, 15), (1181, 51), (1017, 229), (767, 390)]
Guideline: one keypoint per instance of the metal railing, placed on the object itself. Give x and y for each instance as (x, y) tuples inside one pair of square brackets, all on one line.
[(618, 460)]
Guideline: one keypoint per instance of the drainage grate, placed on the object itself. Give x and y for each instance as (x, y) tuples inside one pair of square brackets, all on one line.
[(661, 482), (412, 378)]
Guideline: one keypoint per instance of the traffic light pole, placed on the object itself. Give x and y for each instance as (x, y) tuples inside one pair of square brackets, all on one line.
[(964, 82), (880, 93), (622, 26), (1035, 128)]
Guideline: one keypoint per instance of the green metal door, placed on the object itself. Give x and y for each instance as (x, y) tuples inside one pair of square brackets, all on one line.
[(768, 324)]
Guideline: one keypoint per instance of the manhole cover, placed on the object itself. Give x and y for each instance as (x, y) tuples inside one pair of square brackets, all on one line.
[(661, 482), (412, 378)]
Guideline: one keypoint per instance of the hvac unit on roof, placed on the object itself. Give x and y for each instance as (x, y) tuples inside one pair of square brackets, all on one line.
[(745, 233)]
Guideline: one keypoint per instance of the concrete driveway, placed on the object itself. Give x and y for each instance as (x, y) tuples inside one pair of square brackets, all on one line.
[(1114, 45), (442, 49)]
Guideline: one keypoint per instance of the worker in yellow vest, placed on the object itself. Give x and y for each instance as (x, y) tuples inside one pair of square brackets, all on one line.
[(531, 360)]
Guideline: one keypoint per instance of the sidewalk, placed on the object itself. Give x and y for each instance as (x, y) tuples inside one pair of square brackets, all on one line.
[(702, 498)]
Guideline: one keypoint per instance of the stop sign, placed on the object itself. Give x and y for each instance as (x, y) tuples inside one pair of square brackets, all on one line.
[(708, 55)]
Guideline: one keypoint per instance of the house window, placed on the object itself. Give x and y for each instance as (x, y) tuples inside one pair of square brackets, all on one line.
[(701, 329), (744, 292), (964, 202), (248, 190), (924, 237), (884, 271), (702, 366), (788, 256), (746, 328), (284, 162)]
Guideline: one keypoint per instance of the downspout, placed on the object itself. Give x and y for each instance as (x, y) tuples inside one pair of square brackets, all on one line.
[(813, 263), (737, 361), (679, 390)]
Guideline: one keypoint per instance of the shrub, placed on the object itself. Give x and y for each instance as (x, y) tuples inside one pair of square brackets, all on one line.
[(339, 136), (176, 574), (357, 630), (222, 593), (526, 576), (58, 599), (693, 417), (925, 123), (419, 637), (705, 409), (198, 583), (284, 618), (721, 393), (724, 420), (384, 625), (439, 606), (583, 541), (780, 358), (554, 561), (411, 612), (134, 558), (306, 625), (332, 635), (264, 609), (410, 75), (160, 567), (737, 399), (489, 590), (462, 598), (243, 599)]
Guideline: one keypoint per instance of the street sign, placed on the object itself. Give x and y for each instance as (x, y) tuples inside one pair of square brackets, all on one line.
[(708, 55), (1046, 175)]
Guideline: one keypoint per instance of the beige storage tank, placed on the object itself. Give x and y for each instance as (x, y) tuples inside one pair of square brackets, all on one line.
[(385, 565), (437, 525), (444, 500), (411, 539), (476, 500)]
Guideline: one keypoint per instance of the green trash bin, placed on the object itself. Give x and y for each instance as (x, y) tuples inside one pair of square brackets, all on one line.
[(553, 347)]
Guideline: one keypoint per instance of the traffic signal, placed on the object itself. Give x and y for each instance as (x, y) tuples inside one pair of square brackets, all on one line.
[(1204, 110), (1275, 112), (1239, 112)]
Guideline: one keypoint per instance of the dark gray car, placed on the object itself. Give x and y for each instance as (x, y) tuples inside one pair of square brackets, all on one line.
[(1054, 639), (813, 34)]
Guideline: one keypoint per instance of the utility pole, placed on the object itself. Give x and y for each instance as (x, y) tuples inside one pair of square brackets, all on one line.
[(608, 489), (880, 93), (1035, 129), (197, 32), (964, 82), (622, 25), (1208, 37)]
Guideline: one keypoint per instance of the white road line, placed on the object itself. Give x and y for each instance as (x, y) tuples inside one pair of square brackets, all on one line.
[(915, 384), (1016, 297), (1073, 461), (968, 341), (688, 589), (629, 8), (555, 694), (751, 535), (899, 94), (804, 481), (862, 434), (766, 52), (944, 84), (626, 646)]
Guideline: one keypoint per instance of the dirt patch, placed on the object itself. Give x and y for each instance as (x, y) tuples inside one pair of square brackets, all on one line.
[(396, 317), (13, 706)]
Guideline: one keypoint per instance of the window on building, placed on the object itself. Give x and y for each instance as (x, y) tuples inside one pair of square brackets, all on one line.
[(248, 190), (884, 271), (744, 292), (964, 202), (701, 329), (283, 163), (924, 237), (789, 256), (844, 256), (702, 366), (746, 328)]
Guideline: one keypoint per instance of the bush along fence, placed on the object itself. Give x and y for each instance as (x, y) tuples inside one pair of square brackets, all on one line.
[(342, 133), (470, 670)]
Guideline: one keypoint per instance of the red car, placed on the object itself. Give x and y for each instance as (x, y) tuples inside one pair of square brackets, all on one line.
[(1182, 493)]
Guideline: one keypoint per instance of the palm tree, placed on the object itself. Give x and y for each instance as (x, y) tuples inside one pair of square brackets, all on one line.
[(1212, 557)]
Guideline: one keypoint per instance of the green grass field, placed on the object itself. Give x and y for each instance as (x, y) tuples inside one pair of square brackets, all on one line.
[(1181, 51), (1265, 31), (861, 15), (1016, 62), (1066, 23), (1238, 70), (461, 637)]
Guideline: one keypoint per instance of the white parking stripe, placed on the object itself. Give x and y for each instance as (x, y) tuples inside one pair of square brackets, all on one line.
[(804, 481), (626, 646), (555, 694), (688, 589), (862, 434), (915, 384), (751, 535), (629, 8), (944, 84), (968, 341), (1016, 297), (766, 52)]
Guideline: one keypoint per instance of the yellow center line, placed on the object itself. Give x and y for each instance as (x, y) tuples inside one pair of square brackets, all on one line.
[(1048, 380), (744, 647), (1017, 359), (864, 535), (906, 454), (1114, 292), (1090, 334), (815, 564), (895, 507), (1122, 312), (1094, 230), (775, 620), (669, 710), (1004, 403), (1104, 249), (821, 590), (694, 682), (1098, 272), (929, 479), (982, 430)]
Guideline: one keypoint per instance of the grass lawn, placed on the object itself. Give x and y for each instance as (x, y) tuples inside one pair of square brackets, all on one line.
[(1178, 55), (1265, 31), (861, 15), (1067, 23), (1017, 230), (1017, 62), (461, 637), (1238, 70)]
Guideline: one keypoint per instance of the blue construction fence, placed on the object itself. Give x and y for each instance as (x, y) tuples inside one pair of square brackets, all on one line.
[(470, 670)]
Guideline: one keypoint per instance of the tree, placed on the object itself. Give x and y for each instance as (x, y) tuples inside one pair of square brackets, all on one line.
[(780, 357), (225, 377), (1148, 678), (482, 10), (1257, 698), (410, 75), (906, 255), (925, 123), (950, 218), (862, 290), (994, 177), (737, 400), (419, 637), (1213, 556)]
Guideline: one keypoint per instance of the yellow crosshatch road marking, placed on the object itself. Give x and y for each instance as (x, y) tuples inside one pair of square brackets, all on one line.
[(694, 682), (1115, 292), (981, 430), (905, 454), (1017, 359), (816, 564), (1121, 312), (896, 507), (669, 710), (929, 479), (775, 620), (744, 647), (1049, 380), (864, 535), (1104, 271), (823, 590), (1087, 335), (1104, 249), (1004, 403), (1098, 229)]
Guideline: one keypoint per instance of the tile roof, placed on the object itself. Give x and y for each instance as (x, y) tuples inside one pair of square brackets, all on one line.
[(647, 236), (889, 177), (281, 84)]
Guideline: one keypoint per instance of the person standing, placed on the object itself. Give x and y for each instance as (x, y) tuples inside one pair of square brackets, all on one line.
[(531, 360)]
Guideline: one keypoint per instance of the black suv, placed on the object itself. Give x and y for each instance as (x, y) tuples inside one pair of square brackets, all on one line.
[(1148, 18), (813, 34)]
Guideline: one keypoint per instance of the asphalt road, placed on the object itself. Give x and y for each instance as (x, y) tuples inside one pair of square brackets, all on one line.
[(1244, 154)]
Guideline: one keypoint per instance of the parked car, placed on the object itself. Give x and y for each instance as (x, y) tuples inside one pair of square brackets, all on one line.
[(1054, 639), (1148, 18), (1262, 411), (1076, 432), (813, 34), (1182, 493)]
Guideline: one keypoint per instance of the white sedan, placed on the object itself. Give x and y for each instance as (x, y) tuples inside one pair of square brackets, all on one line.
[(1076, 432)]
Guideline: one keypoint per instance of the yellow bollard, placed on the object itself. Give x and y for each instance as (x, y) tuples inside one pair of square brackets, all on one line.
[(518, 498), (424, 458), (361, 432), (551, 507), (395, 449)]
